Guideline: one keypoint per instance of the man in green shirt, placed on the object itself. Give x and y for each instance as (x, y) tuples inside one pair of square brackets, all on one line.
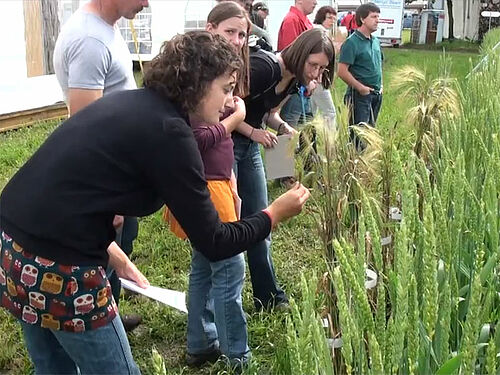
[(360, 66)]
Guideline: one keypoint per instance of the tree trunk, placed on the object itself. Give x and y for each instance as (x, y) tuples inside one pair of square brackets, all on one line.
[(50, 27), (451, 34)]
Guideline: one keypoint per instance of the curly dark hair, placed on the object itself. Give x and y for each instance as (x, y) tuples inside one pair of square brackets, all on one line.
[(187, 64)]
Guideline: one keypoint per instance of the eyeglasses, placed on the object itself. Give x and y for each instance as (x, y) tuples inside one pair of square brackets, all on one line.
[(316, 66)]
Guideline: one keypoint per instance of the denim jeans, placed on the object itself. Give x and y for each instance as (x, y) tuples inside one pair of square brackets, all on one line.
[(215, 315), (125, 237), (252, 188), (101, 351), (297, 110), (362, 108)]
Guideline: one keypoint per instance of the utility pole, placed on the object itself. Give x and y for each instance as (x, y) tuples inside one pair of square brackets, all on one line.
[(451, 34)]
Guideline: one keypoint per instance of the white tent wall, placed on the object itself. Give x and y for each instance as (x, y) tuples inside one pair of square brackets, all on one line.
[(13, 51), (466, 15), (13, 54), (18, 92), (171, 17)]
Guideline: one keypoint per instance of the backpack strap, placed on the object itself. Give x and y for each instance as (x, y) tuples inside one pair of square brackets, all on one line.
[(272, 60)]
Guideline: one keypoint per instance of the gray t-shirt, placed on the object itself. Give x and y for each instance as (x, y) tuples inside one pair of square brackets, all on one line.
[(91, 54)]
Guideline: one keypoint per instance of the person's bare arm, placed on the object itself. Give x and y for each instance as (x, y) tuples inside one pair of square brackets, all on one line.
[(124, 267), (262, 136), (80, 98), (275, 121), (346, 76), (232, 122)]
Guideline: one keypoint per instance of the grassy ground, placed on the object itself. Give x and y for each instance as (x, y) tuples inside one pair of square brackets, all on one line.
[(457, 45), (393, 110), (165, 260)]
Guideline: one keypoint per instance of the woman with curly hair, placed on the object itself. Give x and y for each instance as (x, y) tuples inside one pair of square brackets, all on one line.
[(56, 213)]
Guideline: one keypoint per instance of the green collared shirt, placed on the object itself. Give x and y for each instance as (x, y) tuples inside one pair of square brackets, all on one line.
[(364, 57)]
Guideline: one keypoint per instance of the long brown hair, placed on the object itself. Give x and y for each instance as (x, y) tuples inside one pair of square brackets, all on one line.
[(221, 12), (310, 42)]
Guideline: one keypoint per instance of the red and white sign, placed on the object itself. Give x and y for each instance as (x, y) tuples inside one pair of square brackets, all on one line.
[(389, 21)]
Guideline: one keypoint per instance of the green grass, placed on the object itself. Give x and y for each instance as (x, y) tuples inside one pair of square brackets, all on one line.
[(165, 260), (456, 45), (393, 110)]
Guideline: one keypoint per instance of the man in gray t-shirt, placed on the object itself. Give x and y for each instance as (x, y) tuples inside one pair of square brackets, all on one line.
[(91, 59), (90, 54)]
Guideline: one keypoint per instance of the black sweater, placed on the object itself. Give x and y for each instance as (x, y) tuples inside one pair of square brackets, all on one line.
[(265, 75), (128, 154)]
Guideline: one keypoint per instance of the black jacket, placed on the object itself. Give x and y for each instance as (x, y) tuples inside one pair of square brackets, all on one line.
[(128, 154)]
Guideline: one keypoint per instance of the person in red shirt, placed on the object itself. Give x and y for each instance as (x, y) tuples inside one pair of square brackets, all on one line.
[(349, 21), (298, 107), (295, 22), (346, 20)]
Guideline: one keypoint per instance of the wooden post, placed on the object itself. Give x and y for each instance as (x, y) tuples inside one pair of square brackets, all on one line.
[(41, 28), (33, 37)]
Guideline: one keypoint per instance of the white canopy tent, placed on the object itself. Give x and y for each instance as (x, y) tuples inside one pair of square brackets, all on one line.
[(167, 18)]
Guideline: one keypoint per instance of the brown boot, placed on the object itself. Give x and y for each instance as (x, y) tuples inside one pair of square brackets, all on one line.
[(130, 321)]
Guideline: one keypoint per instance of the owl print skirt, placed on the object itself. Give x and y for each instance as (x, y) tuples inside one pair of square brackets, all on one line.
[(41, 292)]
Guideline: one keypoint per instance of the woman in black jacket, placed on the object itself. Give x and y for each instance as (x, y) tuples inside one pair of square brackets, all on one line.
[(128, 153)]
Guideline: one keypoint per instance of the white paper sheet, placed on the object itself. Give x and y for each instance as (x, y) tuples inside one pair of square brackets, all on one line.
[(280, 159), (169, 297)]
